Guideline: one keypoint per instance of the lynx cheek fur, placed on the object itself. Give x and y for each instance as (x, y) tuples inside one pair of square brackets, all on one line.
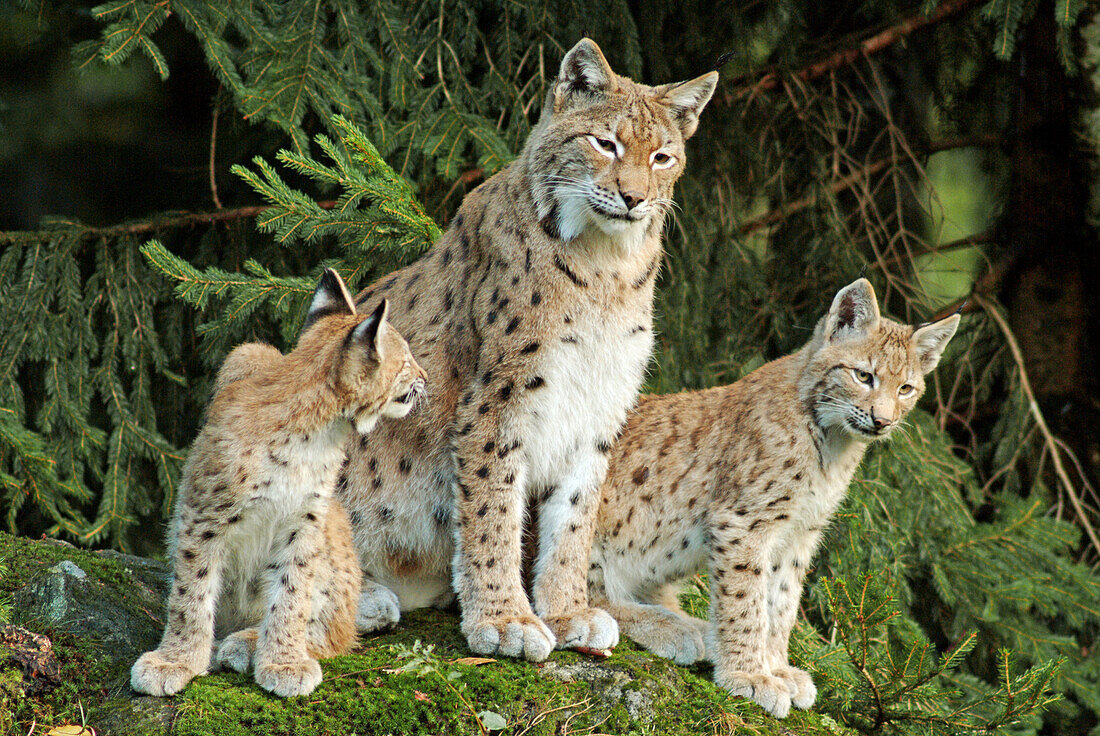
[(257, 537), (746, 476), (533, 314)]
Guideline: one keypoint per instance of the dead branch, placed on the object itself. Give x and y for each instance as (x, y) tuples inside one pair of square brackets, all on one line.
[(1049, 439)]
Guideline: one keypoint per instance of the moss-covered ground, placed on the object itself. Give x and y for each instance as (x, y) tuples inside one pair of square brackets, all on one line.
[(389, 684)]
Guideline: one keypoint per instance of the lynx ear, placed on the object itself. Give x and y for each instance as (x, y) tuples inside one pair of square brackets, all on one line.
[(686, 100), (930, 340), (330, 297), (584, 72), (367, 332), (854, 312)]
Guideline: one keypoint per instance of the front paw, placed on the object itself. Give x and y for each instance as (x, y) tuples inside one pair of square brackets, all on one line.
[(378, 609), (769, 692), (289, 679), (589, 628), (799, 684), (152, 674), (520, 636), (235, 653)]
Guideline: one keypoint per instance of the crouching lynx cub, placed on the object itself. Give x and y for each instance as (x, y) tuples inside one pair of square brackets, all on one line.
[(257, 535), (748, 475)]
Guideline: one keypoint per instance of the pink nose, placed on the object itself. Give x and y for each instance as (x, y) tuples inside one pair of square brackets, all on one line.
[(880, 422), (632, 199)]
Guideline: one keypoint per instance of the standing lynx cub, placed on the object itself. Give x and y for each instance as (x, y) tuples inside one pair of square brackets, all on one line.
[(748, 475), (533, 314), (257, 536)]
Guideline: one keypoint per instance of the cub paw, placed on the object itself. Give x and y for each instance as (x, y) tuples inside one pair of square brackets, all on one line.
[(589, 628), (235, 653), (152, 674), (769, 692), (378, 609), (672, 638), (289, 679), (522, 636), (799, 683)]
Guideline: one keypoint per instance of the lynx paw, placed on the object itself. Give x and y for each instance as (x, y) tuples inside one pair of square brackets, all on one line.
[(770, 693), (152, 674), (289, 679), (590, 628), (799, 683), (523, 636), (235, 653), (378, 609), (674, 638)]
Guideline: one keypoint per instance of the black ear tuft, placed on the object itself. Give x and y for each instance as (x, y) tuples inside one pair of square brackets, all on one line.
[(367, 332), (330, 297)]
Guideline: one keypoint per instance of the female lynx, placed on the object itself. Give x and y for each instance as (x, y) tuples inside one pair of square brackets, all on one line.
[(748, 475), (534, 314), (256, 523)]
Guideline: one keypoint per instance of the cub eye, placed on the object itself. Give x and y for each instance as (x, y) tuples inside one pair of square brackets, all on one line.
[(864, 377), (905, 390)]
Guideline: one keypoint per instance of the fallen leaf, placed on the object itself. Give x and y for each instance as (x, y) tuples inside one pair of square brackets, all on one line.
[(422, 697), (492, 721), (473, 661), (600, 653)]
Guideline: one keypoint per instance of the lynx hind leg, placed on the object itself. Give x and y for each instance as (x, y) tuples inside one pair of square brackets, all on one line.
[(661, 631), (767, 691), (378, 609), (236, 650)]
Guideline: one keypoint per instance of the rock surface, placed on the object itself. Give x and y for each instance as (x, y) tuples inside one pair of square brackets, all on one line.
[(98, 611)]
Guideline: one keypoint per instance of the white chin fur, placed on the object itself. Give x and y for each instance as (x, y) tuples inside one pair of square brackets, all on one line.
[(394, 410), (575, 216), (366, 424)]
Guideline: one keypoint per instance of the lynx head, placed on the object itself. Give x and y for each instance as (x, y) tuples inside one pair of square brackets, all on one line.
[(607, 151), (866, 372), (371, 370)]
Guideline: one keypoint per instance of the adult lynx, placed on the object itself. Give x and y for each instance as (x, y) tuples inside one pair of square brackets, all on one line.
[(533, 315), (747, 476)]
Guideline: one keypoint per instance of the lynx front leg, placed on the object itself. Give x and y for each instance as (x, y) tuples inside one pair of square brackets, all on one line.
[(788, 568), (282, 664), (566, 525), (496, 615), (739, 557), (184, 649)]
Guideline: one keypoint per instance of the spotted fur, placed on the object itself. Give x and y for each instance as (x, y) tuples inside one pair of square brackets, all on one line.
[(533, 315), (257, 537), (745, 477)]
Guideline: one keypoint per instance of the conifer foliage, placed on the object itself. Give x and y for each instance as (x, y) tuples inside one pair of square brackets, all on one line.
[(947, 599)]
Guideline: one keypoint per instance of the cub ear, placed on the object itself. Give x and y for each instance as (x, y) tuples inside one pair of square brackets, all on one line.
[(854, 312), (367, 332), (686, 100), (584, 72), (330, 297), (930, 340)]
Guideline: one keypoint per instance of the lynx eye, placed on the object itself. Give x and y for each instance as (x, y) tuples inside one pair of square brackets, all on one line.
[(905, 389), (603, 145), (863, 376), (661, 160)]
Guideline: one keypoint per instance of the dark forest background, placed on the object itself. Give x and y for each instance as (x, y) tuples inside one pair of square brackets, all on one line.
[(173, 176)]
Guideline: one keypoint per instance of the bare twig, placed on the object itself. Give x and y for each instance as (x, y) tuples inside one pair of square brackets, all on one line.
[(1033, 405), (847, 56), (213, 148)]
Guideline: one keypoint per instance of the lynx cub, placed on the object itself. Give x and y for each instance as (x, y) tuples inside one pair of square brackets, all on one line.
[(747, 476), (533, 313), (257, 535)]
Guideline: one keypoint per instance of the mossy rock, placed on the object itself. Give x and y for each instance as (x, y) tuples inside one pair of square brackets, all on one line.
[(418, 679)]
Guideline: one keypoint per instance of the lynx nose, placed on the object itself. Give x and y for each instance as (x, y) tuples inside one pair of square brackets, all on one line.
[(880, 422), (632, 199)]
